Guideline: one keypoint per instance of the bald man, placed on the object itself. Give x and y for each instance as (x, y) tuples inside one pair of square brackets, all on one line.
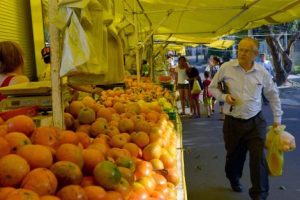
[(244, 127)]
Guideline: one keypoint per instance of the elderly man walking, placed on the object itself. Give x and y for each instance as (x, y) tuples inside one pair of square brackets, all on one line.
[(244, 127)]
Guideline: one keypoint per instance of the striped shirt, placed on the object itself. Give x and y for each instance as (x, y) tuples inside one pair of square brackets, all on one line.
[(246, 88)]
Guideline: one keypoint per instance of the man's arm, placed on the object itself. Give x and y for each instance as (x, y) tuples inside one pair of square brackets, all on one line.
[(272, 94), (214, 89)]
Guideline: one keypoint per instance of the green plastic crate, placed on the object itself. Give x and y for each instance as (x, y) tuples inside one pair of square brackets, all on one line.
[(172, 115)]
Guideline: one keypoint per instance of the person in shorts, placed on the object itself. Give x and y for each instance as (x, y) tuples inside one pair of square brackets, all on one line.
[(182, 82), (193, 75), (207, 96)]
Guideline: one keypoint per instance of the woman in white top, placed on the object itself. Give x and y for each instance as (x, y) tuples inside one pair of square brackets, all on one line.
[(182, 82), (11, 65)]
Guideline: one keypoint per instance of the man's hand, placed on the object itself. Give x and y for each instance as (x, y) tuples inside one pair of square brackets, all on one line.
[(276, 124), (230, 100)]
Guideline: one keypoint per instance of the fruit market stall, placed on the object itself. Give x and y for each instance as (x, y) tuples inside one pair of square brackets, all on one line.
[(120, 146)]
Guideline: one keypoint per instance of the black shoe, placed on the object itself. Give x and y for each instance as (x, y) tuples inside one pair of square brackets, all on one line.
[(236, 186), (258, 198)]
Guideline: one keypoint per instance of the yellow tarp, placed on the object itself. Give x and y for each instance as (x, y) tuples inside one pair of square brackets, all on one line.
[(221, 44), (193, 20)]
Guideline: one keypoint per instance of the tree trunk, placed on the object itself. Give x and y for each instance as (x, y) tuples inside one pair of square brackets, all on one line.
[(281, 60)]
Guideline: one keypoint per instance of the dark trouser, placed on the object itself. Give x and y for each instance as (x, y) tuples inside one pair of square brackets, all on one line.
[(241, 136)]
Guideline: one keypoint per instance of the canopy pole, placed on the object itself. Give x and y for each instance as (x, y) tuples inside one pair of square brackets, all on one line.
[(57, 100), (151, 59), (137, 49)]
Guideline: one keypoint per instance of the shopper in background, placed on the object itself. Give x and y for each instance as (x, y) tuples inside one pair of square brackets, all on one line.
[(182, 83), (215, 66), (244, 126), (193, 75), (268, 66), (145, 68), (11, 65), (207, 96)]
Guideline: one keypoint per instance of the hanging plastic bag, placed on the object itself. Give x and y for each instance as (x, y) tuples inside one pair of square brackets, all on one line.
[(277, 142), (196, 87), (275, 157), (286, 141)]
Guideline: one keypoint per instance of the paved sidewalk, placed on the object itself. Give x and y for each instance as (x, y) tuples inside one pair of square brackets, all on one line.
[(205, 156)]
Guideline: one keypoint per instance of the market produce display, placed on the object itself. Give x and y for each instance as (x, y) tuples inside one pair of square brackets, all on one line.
[(122, 146)]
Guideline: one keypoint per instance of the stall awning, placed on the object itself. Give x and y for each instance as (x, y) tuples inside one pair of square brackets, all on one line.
[(194, 20), (221, 44)]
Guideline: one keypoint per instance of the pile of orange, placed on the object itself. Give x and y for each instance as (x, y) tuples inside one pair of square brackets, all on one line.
[(108, 151)]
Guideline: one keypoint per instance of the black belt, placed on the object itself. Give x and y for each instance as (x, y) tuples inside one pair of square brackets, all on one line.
[(240, 119)]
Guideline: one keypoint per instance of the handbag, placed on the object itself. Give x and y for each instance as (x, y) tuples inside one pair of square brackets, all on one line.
[(196, 87)]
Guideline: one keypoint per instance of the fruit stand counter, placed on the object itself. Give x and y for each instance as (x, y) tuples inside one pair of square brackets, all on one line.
[(181, 187)]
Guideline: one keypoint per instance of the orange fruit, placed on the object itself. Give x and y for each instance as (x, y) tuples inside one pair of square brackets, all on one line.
[(151, 151), (13, 169), (72, 192), (152, 116), (126, 125), (140, 138), (86, 115), (67, 136), (16, 140), (40, 180), (3, 129), (23, 194), (168, 161), (107, 175), (46, 136), (70, 152), (36, 155), (75, 107), (113, 195), (91, 158), (105, 113), (102, 147), (66, 173), (89, 102), (4, 147), (134, 149), (119, 107), (84, 128), (5, 191), (21, 123), (83, 138), (98, 127), (49, 197), (157, 164), (69, 120), (95, 192), (87, 181)]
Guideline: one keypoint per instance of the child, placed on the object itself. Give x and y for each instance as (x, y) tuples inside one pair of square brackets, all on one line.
[(207, 96), (193, 75)]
